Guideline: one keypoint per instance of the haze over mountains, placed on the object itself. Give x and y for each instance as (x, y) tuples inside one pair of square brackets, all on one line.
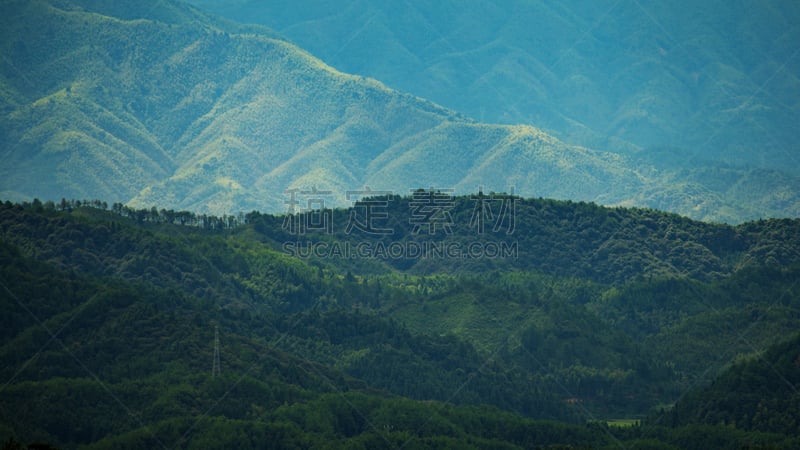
[(157, 104), (716, 78)]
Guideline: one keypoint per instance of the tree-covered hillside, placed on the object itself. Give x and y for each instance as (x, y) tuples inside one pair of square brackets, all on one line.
[(759, 393), (110, 313), (156, 103), (710, 80)]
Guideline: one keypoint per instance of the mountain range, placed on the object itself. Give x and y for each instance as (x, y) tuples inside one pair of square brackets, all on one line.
[(717, 79), (158, 103)]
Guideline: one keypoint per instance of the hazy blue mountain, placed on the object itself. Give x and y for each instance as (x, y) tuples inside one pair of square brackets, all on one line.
[(717, 78), (156, 103)]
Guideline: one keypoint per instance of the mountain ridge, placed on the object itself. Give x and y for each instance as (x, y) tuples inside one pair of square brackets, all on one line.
[(596, 74), (193, 112)]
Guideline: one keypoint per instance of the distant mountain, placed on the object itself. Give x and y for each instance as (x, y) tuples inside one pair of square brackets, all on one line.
[(716, 78), (156, 103)]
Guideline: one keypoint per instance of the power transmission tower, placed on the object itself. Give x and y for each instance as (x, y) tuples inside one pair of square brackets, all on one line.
[(215, 367)]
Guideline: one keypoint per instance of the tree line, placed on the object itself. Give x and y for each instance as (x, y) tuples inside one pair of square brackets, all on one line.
[(144, 215)]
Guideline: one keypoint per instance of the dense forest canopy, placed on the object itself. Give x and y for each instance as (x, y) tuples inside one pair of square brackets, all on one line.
[(602, 314)]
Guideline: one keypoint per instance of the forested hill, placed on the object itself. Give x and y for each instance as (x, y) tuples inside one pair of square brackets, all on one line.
[(434, 231), (602, 74), (561, 238), (109, 319), (761, 393), (153, 102)]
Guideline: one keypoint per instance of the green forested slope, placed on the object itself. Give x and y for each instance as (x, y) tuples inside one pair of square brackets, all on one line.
[(109, 318), (155, 103), (713, 80), (189, 112), (759, 393), (562, 238)]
